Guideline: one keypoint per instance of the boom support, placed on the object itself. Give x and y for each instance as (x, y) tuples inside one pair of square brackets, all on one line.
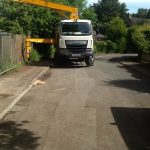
[(45, 3)]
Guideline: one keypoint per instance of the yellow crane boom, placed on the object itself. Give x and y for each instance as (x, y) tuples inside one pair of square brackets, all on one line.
[(44, 3)]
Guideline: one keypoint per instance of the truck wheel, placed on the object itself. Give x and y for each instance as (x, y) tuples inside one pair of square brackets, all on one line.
[(89, 60)]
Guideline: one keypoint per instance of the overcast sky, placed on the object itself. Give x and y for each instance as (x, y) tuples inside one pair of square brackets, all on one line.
[(132, 5)]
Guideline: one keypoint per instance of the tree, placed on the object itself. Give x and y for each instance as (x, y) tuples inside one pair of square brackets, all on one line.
[(90, 14), (80, 4), (141, 38), (9, 17), (142, 13), (106, 10), (123, 13), (148, 14), (21, 18), (117, 32)]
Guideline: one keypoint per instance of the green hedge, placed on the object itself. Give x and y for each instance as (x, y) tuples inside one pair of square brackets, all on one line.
[(100, 47), (105, 47), (35, 56), (141, 38)]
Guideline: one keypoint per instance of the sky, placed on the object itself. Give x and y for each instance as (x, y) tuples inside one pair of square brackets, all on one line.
[(132, 5)]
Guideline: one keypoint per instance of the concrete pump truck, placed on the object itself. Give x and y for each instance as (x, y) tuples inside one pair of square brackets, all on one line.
[(75, 39)]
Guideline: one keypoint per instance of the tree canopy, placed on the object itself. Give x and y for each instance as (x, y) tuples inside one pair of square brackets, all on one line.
[(106, 10), (142, 13), (89, 13), (21, 18)]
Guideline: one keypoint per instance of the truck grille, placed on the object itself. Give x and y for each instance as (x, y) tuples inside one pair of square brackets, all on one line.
[(76, 46)]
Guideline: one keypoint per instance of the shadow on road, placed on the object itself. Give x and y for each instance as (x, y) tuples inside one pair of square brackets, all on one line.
[(139, 82), (117, 58), (14, 137), (139, 85), (134, 63), (67, 64), (134, 126), (126, 58)]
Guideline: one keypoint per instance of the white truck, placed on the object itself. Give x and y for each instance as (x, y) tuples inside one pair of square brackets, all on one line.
[(76, 41)]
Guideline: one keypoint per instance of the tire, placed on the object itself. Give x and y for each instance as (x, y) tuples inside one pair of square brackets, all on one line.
[(89, 60)]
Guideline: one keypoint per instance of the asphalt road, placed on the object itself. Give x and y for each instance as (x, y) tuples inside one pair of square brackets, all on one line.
[(104, 107)]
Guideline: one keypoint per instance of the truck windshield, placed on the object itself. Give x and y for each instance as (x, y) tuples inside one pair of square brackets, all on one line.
[(76, 28)]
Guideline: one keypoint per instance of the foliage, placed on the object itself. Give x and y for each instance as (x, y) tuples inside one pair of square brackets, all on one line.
[(34, 56), (100, 47), (108, 17), (142, 13), (148, 14), (106, 10), (141, 17), (116, 32), (116, 29), (21, 18), (112, 17), (105, 47), (90, 14), (52, 51), (130, 45), (111, 46), (141, 38), (80, 4), (44, 23)]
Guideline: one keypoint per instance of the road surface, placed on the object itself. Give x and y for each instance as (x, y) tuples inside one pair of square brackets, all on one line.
[(104, 107)]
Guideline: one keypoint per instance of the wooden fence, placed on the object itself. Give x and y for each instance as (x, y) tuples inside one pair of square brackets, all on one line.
[(11, 51)]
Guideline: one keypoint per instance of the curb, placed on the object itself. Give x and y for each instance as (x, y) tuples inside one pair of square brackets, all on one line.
[(8, 70), (18, 98)]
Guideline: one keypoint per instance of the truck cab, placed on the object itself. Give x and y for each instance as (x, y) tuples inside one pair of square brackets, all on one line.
[(76, 41)]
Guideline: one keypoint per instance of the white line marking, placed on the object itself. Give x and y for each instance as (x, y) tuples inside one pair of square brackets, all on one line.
[(12, 104)]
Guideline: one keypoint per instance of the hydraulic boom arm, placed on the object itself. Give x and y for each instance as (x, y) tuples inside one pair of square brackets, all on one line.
[(44, 3)]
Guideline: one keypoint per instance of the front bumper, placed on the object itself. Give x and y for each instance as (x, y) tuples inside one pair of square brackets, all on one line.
[(69, 54)]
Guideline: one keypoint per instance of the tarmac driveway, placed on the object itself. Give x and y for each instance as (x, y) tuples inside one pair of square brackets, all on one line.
[(103, 107)]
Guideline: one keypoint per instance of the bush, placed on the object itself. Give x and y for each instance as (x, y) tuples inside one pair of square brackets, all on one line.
[(52, 51), (100, 47), (130, 45), (141, 38), (117, 32), (105, 47), (111, 46), (34, 56), (121, 44)]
